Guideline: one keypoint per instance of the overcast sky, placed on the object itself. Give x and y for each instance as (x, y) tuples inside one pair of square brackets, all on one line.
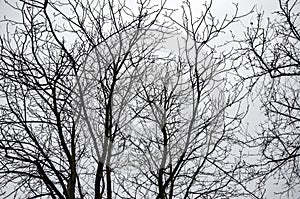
[(220, 8)]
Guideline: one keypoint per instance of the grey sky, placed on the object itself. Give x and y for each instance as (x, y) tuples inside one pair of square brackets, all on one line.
[(220, 8)]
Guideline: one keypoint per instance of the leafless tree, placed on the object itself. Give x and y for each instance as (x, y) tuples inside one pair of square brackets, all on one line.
[(55, 140), (91, 108), (184, 132), (271, 54)]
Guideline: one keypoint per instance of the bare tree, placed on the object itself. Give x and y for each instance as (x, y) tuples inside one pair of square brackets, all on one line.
[(271, 52), (55, 140), (91, 108), (185, 132)]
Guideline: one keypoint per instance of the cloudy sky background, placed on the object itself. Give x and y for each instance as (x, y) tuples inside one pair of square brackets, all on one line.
[(220, 9)]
